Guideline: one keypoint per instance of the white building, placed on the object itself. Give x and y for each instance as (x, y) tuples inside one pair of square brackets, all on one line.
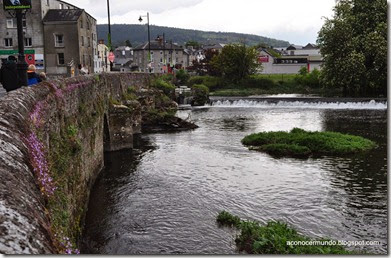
[(291, 61), (102, 61)]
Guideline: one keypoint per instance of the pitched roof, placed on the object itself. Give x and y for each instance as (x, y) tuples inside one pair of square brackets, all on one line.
[(310, 46), (54, 15), (155, 45)]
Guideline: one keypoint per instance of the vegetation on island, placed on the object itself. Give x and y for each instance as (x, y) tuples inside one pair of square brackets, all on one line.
[(302, 144), (275, 238)]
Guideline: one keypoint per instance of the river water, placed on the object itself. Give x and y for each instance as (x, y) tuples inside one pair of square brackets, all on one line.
[(163, 197)]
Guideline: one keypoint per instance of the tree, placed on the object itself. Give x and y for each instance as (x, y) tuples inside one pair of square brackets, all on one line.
[(127, 43), (204, 66), (193, 43), (236, 62), (354, 46)]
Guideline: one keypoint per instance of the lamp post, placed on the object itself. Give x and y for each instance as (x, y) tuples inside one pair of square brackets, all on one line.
[(109, 34), (21, 65), (149, 39)]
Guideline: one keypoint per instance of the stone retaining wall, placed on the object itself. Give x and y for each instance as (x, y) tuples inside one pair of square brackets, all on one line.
[(52, 140)]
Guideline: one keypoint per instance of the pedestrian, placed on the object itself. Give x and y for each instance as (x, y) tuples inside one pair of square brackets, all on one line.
[(33, 77), (43, 76), (9, 74)]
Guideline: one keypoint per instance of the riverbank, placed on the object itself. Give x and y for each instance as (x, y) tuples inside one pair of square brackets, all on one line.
[(260, 84)]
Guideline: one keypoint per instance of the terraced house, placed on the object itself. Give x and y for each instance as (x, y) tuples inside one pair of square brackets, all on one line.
[(164, 57), (58, 37)]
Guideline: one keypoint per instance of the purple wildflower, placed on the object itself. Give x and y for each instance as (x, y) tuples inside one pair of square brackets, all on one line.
[(40, 165)]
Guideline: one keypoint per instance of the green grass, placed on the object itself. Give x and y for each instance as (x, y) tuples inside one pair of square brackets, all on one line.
[(260, 84), (301, 143), (273, 238)]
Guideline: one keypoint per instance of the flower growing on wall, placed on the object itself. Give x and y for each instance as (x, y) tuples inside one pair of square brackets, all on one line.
[(40, 165)]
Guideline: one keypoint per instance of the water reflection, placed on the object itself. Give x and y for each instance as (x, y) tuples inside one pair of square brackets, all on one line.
[(164, 199)]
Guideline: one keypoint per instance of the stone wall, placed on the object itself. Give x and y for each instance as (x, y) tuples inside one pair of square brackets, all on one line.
[(52, 139)]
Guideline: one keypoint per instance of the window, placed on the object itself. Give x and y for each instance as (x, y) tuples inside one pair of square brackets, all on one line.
[(8, 42), (28, 42), (47, 2), (60, 58), (88, 25), (61, 6), (81, 23), (82, 40), (59, 40), (89, 41), (11, 23)]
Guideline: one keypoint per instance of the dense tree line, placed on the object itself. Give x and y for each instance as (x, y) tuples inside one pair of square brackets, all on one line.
[(354, 46)]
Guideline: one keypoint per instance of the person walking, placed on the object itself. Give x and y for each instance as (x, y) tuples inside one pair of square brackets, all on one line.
[(9, 74), (33, 77)]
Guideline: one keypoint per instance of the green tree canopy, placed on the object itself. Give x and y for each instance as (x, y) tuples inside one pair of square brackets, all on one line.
[(236, 62), (354, 46)]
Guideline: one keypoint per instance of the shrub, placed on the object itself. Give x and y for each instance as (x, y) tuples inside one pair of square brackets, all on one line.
[(307, 79), (209, 81), (182, 76), (256, 81), (304, 143), (163, 85), (200, 95)]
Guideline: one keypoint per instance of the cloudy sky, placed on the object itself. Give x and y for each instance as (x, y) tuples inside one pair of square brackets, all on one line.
[(296, 21)]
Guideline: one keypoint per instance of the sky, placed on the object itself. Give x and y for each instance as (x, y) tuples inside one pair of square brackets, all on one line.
[(295, 21)]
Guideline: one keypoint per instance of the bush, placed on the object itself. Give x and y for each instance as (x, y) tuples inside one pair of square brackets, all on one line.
[(163, 85), (307, 79), (182, 76), (301, 143), (256, 81), (209, 81), (200, 95)]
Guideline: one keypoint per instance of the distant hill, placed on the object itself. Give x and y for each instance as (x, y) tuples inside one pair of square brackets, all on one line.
[(138, 34)]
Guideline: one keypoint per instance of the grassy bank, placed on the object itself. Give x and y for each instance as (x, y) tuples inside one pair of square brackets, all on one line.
[(301, 143), (261, 84), (273, 238)]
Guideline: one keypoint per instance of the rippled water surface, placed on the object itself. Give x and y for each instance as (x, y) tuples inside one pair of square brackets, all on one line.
[(164, 196)]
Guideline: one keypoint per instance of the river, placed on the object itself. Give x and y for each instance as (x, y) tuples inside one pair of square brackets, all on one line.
[(163, 197)]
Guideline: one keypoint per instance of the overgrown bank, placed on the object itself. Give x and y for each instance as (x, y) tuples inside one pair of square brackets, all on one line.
[(302, 83)]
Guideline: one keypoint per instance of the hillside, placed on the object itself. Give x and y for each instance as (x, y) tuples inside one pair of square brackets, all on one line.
[(137, 34)]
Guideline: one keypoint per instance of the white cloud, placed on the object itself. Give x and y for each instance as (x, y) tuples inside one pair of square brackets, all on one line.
[(296, 21)]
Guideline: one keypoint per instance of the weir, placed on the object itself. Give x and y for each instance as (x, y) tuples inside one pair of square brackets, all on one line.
[(53, 137), (300, 103)]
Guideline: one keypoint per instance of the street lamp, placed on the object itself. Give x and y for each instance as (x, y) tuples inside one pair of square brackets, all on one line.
[(109, 35), (149, 38)]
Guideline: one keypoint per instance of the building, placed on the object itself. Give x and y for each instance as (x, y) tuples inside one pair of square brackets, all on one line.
[(164, 57), (54, 38), (123, 59), (102, 62), (291, 60)]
